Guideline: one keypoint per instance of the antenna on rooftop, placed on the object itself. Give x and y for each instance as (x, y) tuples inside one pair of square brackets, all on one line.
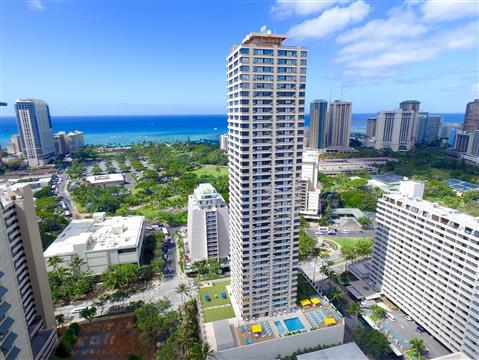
[(263, 29), (341, 89)]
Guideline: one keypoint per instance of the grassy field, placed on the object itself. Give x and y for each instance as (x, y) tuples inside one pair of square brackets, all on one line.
[(217, 288), (212, 171), (225, 312), (345, 242)]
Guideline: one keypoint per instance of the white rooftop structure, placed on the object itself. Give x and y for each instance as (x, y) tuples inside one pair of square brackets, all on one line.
[(349, 351), (100, 241), (109, 179)]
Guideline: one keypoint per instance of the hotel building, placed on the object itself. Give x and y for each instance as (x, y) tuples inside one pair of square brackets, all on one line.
[(318, 115), (208, 223), (311, 199), (266, 91), (426, 261), (35, 130), (395, 130), (339, 124), (27, 322)]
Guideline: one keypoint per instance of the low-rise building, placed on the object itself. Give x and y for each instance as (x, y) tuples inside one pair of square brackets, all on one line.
[(388, 182), (106, 180), (208, 222), (101, 241), (351, 165)]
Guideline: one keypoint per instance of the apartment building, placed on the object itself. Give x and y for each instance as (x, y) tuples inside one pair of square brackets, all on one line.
[(27, 322), (428, 128), (224, 142), (14, 147), (371, 127), (318, 124), (471, 117), (266, 91), (68, 142), (395, 130), (339, 127), (311, 200), (208, 222), (426, 261), (35, 130)]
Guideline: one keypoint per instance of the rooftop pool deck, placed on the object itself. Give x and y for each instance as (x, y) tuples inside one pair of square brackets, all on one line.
[(300, 320)]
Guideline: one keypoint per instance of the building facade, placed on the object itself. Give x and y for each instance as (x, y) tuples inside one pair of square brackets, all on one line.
[(27, 321), (208, 223), (266, 92), (339, 124), (396, 130), (224, 142), (318, 115), (311, 200), (410, 105), (35, 130), (66, 143), (371, 127), (426, 261), (428, 128), (101, 241), (463, 142), (14, 147), (471, 117)]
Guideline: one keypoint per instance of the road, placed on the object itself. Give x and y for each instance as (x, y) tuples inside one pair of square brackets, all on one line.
[(62, 191)]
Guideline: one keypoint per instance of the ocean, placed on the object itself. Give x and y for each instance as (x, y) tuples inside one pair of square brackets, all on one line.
[(125, 130)]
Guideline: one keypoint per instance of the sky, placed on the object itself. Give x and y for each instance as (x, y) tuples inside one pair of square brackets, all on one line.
[(102, 57)]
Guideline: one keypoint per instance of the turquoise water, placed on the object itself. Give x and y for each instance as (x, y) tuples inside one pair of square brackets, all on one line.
[(125, 130), (294, 324), (280, 327)]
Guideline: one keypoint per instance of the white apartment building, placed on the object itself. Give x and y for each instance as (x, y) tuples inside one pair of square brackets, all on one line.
[(13, 147), (208, 223), (27, 321), (266, 91), (100, 241), (395, 130), (311, 205), (65, 143), (35, 130), (224, 142), (426, 261)]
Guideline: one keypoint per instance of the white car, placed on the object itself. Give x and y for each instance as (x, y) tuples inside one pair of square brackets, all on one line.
[(345, 231), (408, 318)]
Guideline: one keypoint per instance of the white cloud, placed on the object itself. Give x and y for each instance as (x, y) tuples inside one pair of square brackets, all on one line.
[(391, 52), (36, 5), (444, 10), (331, 21), (285, 8), (402, 26)]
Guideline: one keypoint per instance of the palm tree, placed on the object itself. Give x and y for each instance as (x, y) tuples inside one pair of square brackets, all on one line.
[(54, 261), (335, 295), (417, 346), (354, 310), (183, 290), (76, 265), (206, 352)]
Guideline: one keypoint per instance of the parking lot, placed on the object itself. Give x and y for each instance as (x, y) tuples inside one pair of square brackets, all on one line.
[(401, 331)]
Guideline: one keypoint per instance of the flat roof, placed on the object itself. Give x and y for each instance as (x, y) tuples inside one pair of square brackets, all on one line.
[(461, 185), (112, 233), (388, 178), (349, 351), (223, 336), (104, 179)]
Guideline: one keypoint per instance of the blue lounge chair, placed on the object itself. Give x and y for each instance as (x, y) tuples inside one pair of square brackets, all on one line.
[(223, 295)]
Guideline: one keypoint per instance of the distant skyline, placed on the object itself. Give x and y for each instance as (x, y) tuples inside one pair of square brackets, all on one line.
[(164, 57)]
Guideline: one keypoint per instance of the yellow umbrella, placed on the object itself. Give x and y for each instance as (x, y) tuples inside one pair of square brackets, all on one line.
[(329, 321), (305, 302), (315, 301), (256, 328)]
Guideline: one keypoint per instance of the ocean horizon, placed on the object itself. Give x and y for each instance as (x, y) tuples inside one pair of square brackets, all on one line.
[(130, 129)]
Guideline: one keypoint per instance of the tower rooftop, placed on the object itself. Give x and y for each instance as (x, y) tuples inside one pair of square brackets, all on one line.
[(264, 39)]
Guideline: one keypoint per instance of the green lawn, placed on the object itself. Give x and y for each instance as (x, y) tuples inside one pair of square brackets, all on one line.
[(345, 242), (212, 171), (217, 288), (225, 312)]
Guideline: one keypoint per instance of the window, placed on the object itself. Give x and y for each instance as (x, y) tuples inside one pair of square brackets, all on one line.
[(262, 51), (244, 51)]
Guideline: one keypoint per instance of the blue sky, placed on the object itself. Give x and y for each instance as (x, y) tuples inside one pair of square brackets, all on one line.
[(168, 57)]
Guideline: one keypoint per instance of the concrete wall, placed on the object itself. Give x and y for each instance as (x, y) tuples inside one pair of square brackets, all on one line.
[(285, 345)]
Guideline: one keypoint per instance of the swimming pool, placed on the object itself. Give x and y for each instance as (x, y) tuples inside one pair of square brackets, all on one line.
[(293, 324), (280, 327)]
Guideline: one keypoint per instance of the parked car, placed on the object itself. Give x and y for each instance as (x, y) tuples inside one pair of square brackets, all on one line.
[(408, 318), (420, 329)]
